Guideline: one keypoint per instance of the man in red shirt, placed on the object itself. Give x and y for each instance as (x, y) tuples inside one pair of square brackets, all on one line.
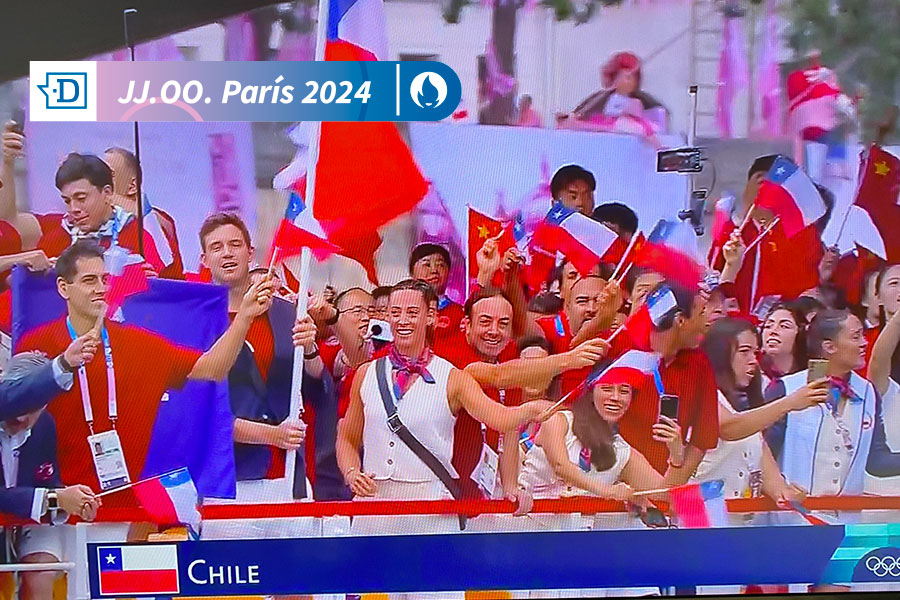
[(777, 265), (144, 366), (127, 177), (684, 372), (86, 186), (431, 263)]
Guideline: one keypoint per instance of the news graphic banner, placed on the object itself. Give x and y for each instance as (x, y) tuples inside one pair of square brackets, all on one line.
[(511, 561), (242, 91)]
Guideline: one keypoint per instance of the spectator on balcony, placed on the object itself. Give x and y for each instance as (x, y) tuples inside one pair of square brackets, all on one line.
[(527, 116)]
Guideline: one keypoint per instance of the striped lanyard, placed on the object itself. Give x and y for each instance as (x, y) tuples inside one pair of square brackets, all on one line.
[(110, 381)]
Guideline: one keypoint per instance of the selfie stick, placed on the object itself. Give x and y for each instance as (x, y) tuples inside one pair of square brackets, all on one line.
[(129, 41)]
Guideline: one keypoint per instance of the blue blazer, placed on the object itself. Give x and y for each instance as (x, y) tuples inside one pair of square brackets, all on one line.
[(269, 401), (38, 468), (27, 394)]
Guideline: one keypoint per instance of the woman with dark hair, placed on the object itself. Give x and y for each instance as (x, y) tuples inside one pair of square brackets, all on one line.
[(580, 451), (783, 341), (742, 459)]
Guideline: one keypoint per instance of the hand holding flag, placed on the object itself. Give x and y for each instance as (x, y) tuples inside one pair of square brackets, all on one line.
[(169, 499), (789, 193), (297, 230)]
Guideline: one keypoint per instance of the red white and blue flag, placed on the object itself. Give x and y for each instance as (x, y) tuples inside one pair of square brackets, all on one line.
[(671, 250), (170, 499), (126, 277), (660, 303), (700, 505), (791, 195), (147, 569), (634, 367), (583, 241), (299, 229)]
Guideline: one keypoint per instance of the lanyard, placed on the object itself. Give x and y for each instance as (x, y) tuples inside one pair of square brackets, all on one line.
[(110, 382)]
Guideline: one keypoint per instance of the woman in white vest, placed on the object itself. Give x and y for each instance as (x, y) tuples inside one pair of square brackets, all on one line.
[(880, 364), (742, 458), (427, 393), (828, 448)]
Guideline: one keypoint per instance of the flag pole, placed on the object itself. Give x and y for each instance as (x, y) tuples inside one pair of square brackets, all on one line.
[(631, 243), (296, 402), (131, 485), (129, 41), (763, 234)]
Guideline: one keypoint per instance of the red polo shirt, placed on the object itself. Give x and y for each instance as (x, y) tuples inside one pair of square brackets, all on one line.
[(690, 377), (447, 325), (558, 332), (146, 365)]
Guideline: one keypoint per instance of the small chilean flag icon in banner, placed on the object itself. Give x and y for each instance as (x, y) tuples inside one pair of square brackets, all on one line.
[(150, 569)]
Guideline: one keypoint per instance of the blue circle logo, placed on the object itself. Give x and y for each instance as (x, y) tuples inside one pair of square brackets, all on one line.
[(428, 90)]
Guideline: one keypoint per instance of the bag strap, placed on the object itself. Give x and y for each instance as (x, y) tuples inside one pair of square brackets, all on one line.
[(396, 426)]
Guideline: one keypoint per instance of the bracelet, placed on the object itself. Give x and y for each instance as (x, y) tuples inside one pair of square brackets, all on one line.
[(311, 355), (65, 364), (673, 465), (349, 473)]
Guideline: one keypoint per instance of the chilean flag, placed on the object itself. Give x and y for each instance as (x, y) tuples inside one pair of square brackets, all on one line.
[(648, 317), (671, 250), (583, 241), (144, 569), (700, 505), (298, 230), (791, 195), (633, 367), (170, 499)]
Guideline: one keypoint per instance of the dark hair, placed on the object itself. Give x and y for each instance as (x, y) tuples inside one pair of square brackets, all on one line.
[(339, 297), (66, 264), (762, 164), (882, 272), (545, 303), (570, 174), (84, 166), (799, 349), (130, 159), (382, 291), (617, 213), (593, 431), (428, 293), (214, 221), (806, 305), (633, 275), (826, 325), (483, 294), (720, 345), (684, 304), (427, 249), (534, 341)]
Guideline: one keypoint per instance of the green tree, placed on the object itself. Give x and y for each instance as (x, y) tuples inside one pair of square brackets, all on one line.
[(860, 40)]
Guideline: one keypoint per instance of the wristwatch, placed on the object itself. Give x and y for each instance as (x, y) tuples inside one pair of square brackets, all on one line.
[(65, 364), (52, 501), (312, 354)]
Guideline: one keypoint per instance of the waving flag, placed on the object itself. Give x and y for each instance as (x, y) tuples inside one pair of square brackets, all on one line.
[(170, 499), (875, 213), (297, 230), (649, 316), (722, 216), (791, 195), (126, 277), (481, 228), (633, 367), (700, 505), (583, 241), (671, 250), (194, 427)]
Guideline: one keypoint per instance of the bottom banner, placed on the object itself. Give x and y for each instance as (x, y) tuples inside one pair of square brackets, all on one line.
[(483, 561)]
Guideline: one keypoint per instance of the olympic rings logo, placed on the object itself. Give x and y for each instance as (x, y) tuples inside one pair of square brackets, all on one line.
[(882, 566)]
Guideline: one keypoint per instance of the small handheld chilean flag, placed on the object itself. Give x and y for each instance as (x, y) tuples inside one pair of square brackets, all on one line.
[(634, 367), (146, 569), (298, 230), (791, 195), (583, 241), (170, 499), (699, 505), (659, 303), (671, 250)]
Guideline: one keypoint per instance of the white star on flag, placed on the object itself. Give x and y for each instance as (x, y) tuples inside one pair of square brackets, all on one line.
[(110, 559)]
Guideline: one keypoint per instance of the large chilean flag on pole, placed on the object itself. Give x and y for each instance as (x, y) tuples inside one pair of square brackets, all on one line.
[(791, 195)]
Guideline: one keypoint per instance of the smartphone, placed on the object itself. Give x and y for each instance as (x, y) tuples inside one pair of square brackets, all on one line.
[(18, 117), (818, 369), (681, 160), (668, 406)]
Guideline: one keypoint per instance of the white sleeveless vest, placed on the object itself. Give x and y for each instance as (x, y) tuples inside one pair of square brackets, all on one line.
[(424, 409), (815, 456)]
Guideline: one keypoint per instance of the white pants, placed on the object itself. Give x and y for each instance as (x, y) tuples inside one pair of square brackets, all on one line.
[(262, 491)]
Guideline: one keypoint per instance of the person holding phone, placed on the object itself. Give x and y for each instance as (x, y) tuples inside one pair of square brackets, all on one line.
[(742, 458)]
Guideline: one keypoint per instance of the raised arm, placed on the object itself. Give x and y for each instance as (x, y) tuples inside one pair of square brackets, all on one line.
[(611, 300), (27, 226), (216, 362), (465, 393), (882, 462), (739, 425), (537, 373), (733, 256), (882, 354)]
